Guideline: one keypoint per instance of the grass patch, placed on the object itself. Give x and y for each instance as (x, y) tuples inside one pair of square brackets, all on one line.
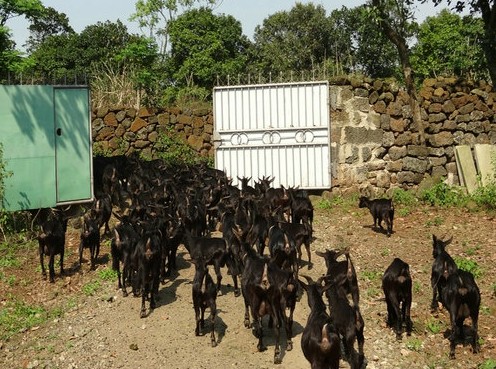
[(89, 289), (372, 275), (443, 195), (107, 275), (469, 266), (434, 326), (488, 364), (17, 316), (437, 221), (414, 344)]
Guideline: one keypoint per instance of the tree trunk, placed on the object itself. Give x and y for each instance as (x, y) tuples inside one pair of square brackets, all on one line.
[(489, 43), (404, 55)]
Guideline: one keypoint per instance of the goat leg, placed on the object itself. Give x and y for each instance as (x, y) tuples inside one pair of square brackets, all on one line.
[(213, 313), (197, 320), (51, 269), (43, 271)]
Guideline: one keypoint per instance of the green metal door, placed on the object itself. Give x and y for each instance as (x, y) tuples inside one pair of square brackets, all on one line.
[(72, 144)]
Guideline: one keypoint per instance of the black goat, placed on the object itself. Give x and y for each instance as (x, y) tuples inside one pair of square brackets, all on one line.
[(102, 211), (265, 288), (212, 250), (348, 322), (51, 241), (442, 267), (397, 287), (319, 341), (148, 256), (336, 270), (301, 233), (282, 250), (204, 295), (381, 210), (461, 297), (90, 239), (122, 249)]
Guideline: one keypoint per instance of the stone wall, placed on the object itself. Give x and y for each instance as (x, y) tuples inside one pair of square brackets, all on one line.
[(122, 131), (374, 144)]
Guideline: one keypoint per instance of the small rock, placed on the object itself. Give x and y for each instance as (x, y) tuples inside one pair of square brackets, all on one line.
[(133, 346)]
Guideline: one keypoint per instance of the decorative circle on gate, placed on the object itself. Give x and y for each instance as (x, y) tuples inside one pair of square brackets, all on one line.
[(239, 139), (304, 136), (273, 137)]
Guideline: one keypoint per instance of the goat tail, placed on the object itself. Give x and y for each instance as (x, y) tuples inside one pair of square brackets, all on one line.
[(462, 289), (325, 344)]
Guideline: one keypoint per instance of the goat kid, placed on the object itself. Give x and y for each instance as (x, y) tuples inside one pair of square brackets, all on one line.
[(442, 267), (349, 324), (51, 242), (381, 210), (204, 294), (319, 342), (341, 273), (461, 297), (89, 239), (397, 287)]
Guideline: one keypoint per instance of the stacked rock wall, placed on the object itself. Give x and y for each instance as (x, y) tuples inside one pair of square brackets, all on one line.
[(374, 143), (123, 131)]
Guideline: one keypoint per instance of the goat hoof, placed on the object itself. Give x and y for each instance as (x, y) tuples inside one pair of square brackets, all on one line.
[(214, 344), (277, 360), (247, 323), (289, 346), (236, 293), (262, 348), (143, 314), (310, 266)]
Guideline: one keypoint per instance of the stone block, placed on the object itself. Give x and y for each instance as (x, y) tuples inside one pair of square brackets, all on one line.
[(397, 152), (414, 164), (362, 135), (137, 124), (419, 151), (441, 139)]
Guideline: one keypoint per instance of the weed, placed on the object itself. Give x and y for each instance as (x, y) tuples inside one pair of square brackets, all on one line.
[(11, 280), (414, 344), (434, 325), (403, 197), (372, 275), (437, 221), (471, 251), (324, 204), (385, 252), (372, 292), (442, 194), (417, 287), (107, 274), (89, 289), (9, 260), (403, 212), (17, 316), (485, 196), (488, 364), (173, 149), (469, 266)]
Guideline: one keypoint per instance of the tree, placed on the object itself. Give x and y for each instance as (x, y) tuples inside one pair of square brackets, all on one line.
[(363, 45), (155, 15), (448, 44), (487, 9), (49, 23), (71, 54), (9, 9), (204, 45), (396, 21), (297, 40)]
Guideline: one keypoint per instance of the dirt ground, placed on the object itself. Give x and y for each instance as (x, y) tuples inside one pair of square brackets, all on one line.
[(95, 327)]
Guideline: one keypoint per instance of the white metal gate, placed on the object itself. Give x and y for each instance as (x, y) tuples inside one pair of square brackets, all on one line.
[(279, 130)]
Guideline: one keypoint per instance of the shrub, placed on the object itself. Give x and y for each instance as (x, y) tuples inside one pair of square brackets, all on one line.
[(469, 266), (441, 194), (403, 197), (171, 148)]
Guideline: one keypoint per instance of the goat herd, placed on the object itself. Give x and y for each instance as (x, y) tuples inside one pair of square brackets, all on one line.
[(159, 207)]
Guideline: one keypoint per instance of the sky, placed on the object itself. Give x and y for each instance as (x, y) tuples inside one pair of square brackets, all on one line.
[(249, 12)]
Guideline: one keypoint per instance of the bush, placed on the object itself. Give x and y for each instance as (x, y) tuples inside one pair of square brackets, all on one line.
[(485, 196), (171, 148), (442, 194), (403, 197)]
